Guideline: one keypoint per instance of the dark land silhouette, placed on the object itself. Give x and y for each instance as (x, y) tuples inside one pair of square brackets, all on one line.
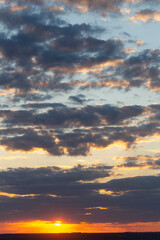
[(83, 236)]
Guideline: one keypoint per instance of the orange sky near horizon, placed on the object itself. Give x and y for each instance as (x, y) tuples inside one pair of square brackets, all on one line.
[(60, 227)]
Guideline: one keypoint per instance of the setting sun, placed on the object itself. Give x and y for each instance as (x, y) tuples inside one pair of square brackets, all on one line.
[(57, 223)]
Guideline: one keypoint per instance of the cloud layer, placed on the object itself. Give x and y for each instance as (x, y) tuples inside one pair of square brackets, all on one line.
[(75, 131), (55, 192)]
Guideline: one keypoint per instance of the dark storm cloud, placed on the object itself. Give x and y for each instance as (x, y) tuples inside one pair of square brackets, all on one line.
[(64, 193)]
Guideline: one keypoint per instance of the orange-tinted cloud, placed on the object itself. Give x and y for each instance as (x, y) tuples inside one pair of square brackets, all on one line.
[(146, 15), (139, 161), (16, 8), (56, 9)]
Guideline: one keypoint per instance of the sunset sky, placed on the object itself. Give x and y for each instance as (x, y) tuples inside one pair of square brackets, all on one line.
[(80, 115)]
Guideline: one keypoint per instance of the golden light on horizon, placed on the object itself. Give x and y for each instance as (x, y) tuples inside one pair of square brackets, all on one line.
[(57, 223), (50, 227), (38, 226)]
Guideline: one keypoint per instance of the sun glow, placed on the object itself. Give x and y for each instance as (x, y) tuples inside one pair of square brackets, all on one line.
[(38, 227), (57, 223), (50, 227)]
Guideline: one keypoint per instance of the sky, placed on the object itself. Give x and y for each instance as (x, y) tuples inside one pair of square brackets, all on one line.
[(79, 116)]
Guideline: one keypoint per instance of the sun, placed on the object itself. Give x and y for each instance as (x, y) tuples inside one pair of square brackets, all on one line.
[(57, 223)]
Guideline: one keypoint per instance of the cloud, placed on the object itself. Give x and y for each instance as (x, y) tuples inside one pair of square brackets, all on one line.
[(63, 130), (55, 51), (140, 161), (53, 179), (64, 192), (61, 115), (136, 74), (31, 141), (155, 112), (136, 70), (104, 7), (75, 142), (80, 99), (146, 15), (60, 129)]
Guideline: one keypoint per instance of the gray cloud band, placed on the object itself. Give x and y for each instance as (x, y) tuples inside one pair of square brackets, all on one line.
[(53, 191)]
